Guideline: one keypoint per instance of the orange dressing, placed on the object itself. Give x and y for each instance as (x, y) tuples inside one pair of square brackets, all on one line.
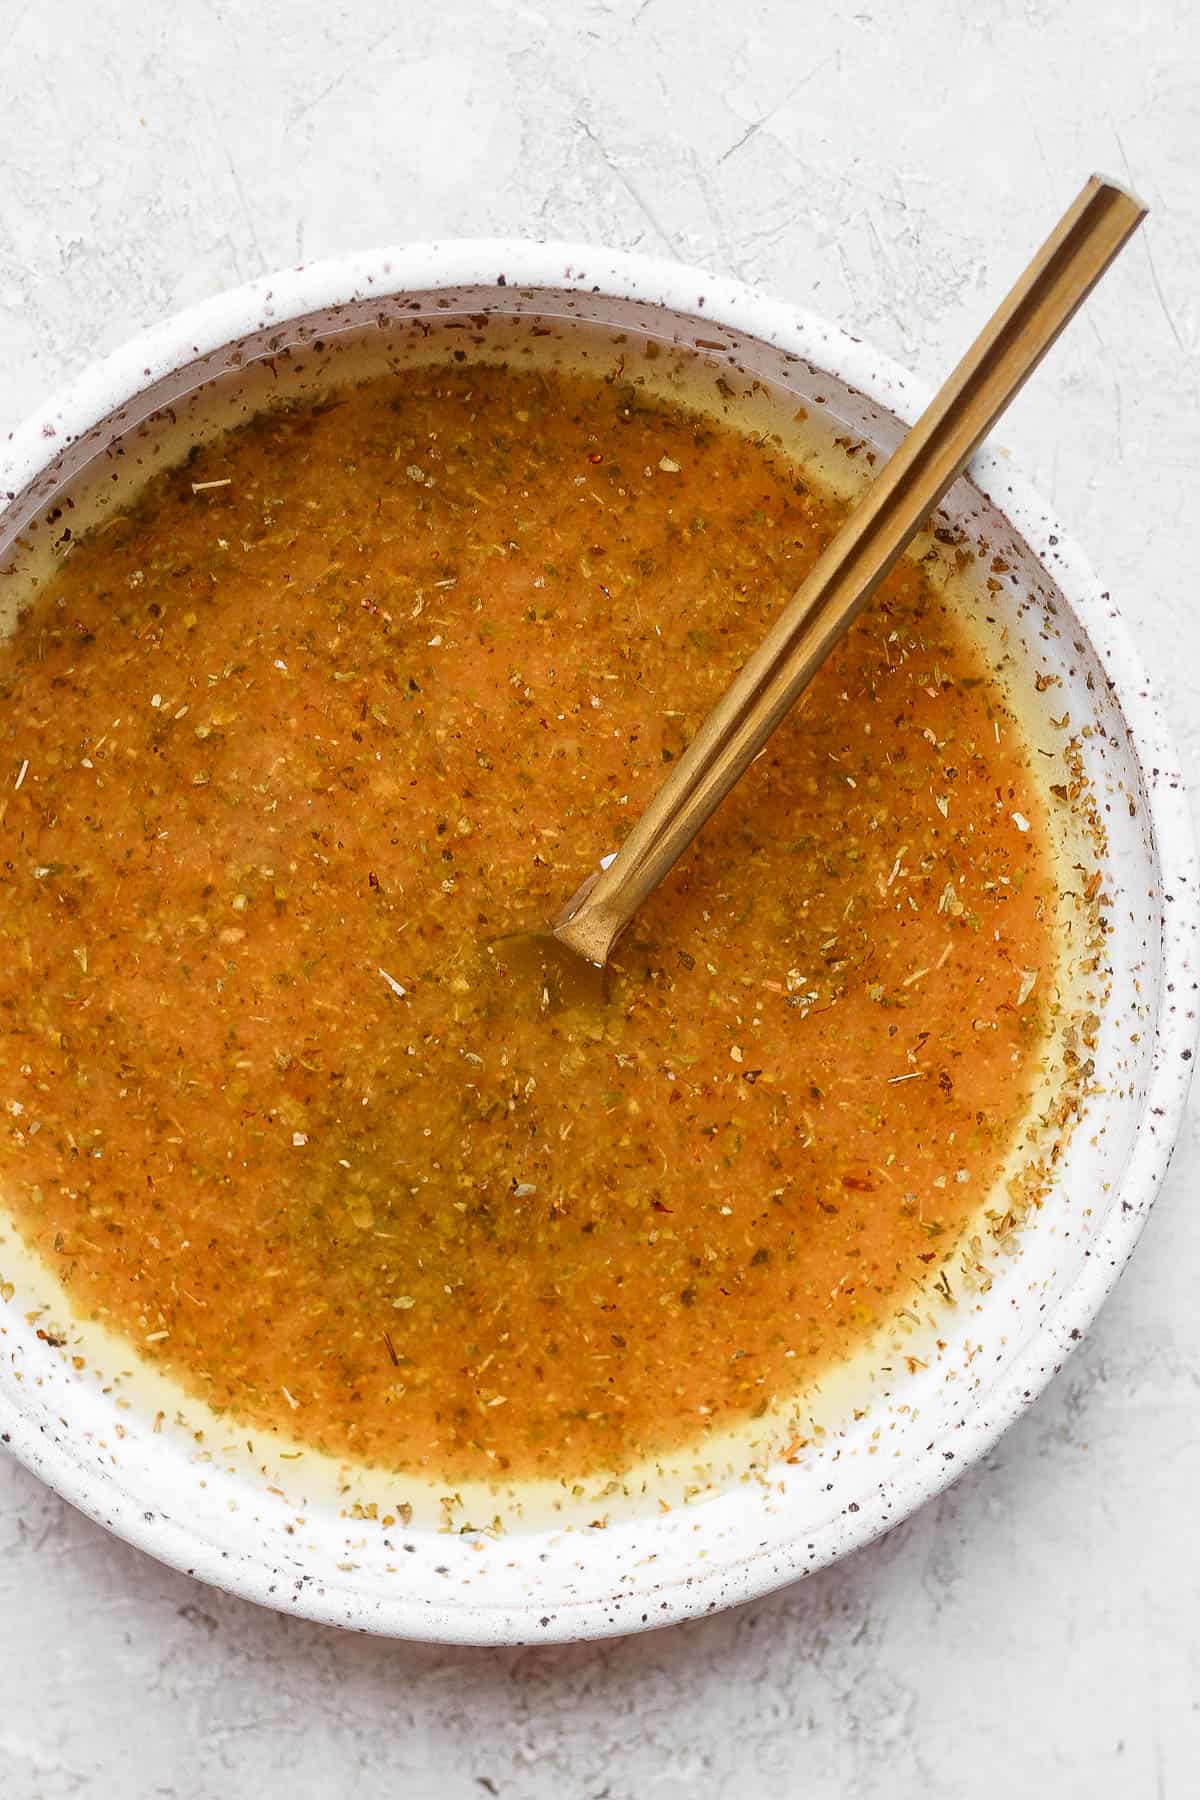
[(368, 683)]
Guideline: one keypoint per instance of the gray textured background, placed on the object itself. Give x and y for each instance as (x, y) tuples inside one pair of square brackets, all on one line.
[(1036, 1631)]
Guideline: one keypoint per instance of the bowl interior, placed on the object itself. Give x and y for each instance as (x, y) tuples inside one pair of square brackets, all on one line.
[(281, 1534)]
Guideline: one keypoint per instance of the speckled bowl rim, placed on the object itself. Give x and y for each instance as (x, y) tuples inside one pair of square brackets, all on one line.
[(586, 269)]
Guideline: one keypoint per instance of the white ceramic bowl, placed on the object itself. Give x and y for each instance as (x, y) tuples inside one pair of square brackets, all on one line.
[(226, 1527)]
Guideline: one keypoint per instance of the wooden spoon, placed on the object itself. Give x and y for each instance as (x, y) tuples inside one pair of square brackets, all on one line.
[(568, 959)]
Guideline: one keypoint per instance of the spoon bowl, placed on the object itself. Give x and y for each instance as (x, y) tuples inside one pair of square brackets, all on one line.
[(549, 973)]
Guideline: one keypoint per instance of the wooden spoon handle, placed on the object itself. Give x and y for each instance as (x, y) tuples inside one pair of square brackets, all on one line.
[(908, 488)]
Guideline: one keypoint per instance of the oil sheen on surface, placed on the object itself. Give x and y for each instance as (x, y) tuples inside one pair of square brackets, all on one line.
[(373, 681)]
